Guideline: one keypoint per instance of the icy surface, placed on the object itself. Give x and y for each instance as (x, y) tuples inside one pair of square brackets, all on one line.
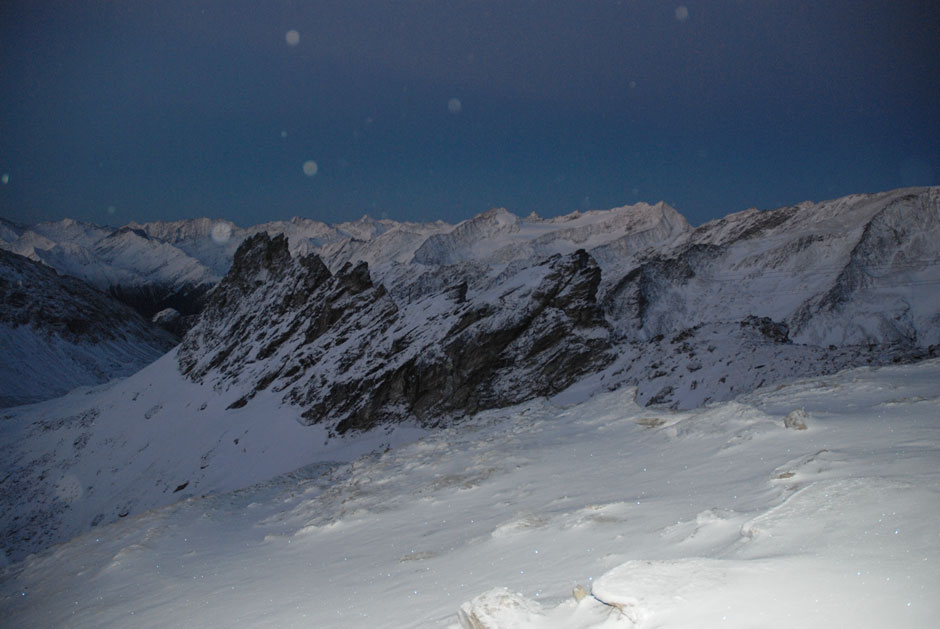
[(718, 517)]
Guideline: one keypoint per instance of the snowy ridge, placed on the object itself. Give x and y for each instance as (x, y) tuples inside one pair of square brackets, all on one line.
[(796, 265), (498, 236), (342, 348), (692, 315), (57, 333), (715, 517)]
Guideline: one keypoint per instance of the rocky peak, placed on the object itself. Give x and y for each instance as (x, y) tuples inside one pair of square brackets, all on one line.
[(260, 252), (341, 348)]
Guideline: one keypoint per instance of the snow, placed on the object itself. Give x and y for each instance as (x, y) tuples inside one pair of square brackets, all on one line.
[(147, 441), (498, 236), (37, 366), (716, 517)]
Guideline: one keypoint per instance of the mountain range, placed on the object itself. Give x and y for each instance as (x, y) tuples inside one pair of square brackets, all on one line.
[(354, 336)]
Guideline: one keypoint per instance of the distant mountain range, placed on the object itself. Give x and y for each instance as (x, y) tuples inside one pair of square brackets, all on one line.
[(357, 331)]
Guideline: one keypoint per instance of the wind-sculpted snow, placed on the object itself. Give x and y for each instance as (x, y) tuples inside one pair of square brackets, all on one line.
[(345, 351), (57, 333), (599, 515)]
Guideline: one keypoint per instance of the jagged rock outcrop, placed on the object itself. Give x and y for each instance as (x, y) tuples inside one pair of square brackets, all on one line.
[(340, 346)]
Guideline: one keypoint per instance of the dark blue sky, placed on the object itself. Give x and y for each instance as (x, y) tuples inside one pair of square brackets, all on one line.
[(112, 111)]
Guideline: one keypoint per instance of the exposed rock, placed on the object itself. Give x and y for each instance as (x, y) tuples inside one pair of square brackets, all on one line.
[(796, 419), (775, 331), (340, 347)]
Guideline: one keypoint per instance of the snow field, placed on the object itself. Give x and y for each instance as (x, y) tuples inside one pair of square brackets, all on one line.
[(718, 517), (144, 442)]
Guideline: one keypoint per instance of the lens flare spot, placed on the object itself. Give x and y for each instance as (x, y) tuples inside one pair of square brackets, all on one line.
[(292, 37), (221, 232), (310, 168)]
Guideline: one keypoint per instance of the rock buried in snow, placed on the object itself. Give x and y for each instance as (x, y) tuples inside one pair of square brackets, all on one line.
[(579, 593), (796, 419)]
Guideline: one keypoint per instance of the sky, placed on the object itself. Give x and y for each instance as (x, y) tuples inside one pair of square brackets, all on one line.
[(132, 110)]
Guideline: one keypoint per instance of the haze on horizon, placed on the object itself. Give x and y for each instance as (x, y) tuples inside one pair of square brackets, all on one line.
[(137, 111)]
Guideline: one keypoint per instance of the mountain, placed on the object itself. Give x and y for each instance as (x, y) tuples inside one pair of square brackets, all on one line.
[(348, 336), (687, 315), (57, 333), (160, 265), (844, 272), (812, 288), (344, 350), (498, 236), (146, 273)]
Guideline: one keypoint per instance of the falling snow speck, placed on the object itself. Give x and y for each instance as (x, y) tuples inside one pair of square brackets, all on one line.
[(454, 106), (682, 13), (292, 37), (221, 232), (5, 179), (310, 168)]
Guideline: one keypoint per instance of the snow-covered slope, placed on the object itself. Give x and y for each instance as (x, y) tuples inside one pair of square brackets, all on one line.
[(101, 454), (498, 236), (143, 272), (857, 270), (57, 333), (716, 517)]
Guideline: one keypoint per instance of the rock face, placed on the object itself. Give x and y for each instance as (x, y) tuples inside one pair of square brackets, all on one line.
[(57, 333), (341, 347)]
